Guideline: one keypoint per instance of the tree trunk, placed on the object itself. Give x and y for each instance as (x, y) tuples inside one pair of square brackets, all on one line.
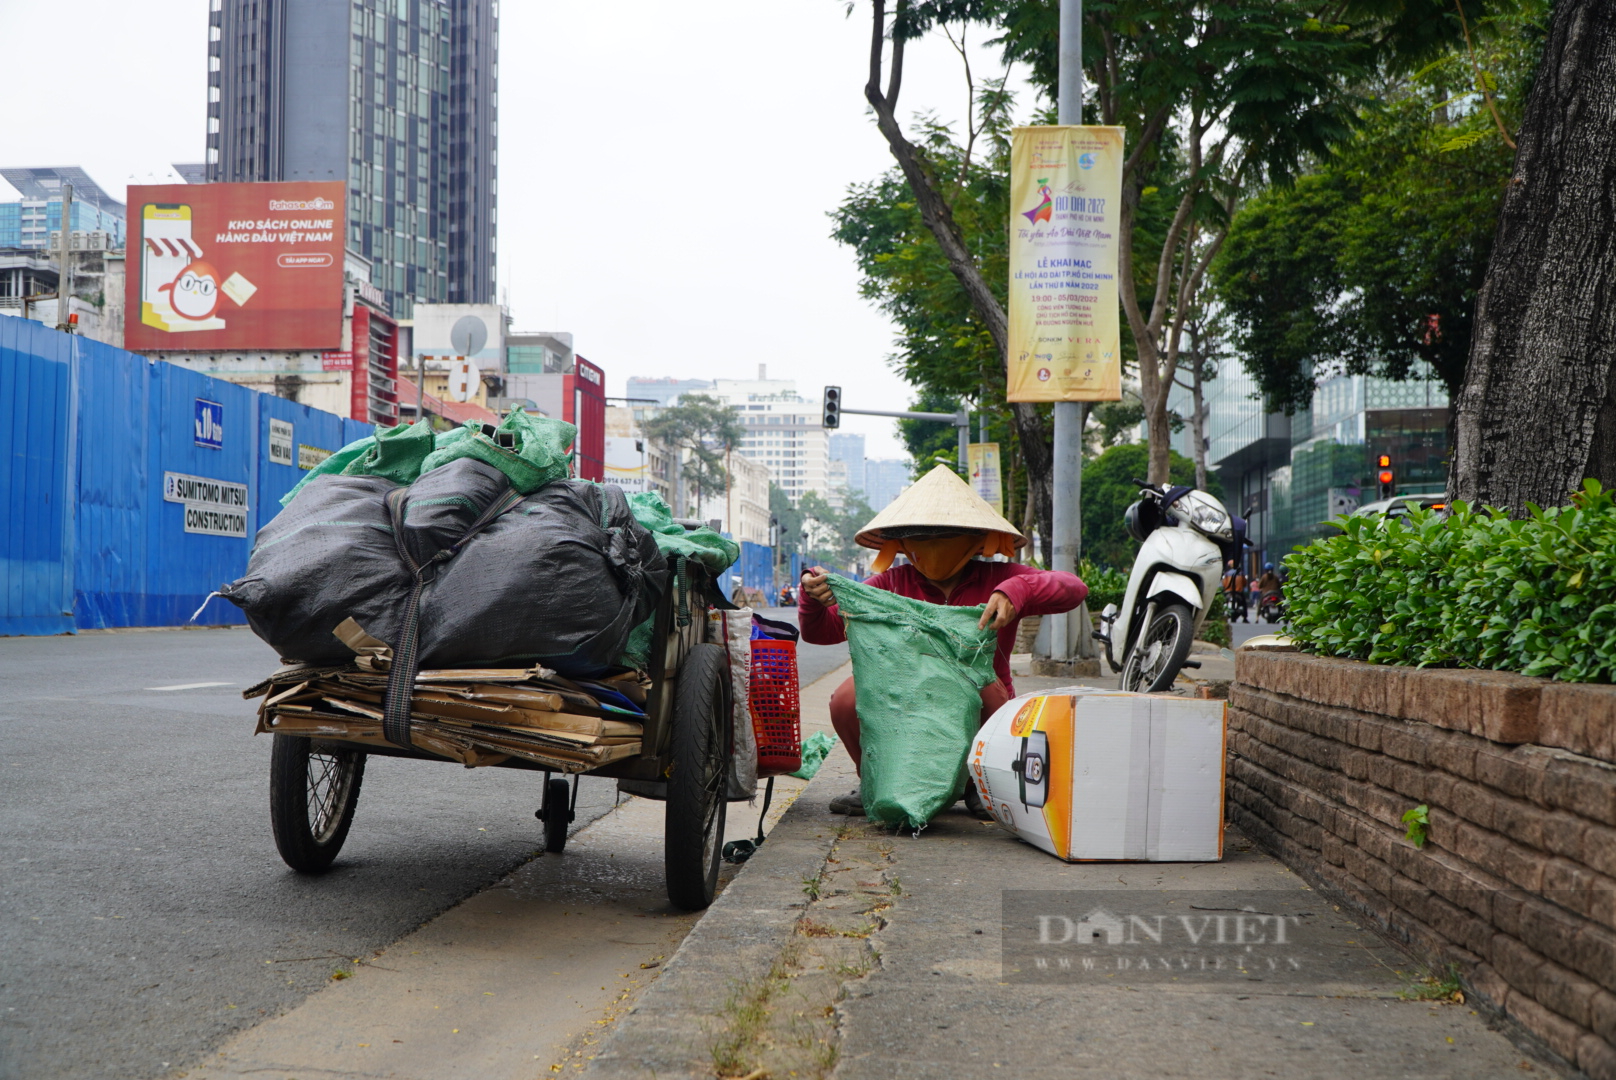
[(1037, 453), (1537, 412), (1198, 418)]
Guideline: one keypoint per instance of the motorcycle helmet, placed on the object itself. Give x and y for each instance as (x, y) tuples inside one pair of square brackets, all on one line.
[(1267, 566), (1142, 518)]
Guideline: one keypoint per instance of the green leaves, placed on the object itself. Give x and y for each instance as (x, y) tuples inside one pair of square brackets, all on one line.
[(1372, 261), (1418, 821), (1474, 589), (1108, 488)]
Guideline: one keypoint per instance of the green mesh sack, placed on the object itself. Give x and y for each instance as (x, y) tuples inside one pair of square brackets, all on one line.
[(918, 673), (394, 453), (332, 465), (703, 544), (542, 452), (637, 650)]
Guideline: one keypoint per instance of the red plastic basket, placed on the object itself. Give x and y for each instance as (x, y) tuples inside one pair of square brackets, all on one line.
[(776, 710)]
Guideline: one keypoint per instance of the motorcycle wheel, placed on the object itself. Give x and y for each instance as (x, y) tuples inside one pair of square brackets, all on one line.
[(1158, 654)]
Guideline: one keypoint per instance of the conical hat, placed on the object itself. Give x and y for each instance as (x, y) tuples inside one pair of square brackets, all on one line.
[(940, 499)]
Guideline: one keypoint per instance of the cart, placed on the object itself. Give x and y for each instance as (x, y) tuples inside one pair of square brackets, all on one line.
[(684, 758)]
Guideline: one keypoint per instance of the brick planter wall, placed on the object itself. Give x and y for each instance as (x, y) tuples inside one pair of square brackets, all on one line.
[(1517, 881)]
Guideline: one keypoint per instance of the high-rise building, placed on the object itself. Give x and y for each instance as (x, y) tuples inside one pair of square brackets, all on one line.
[(29, 222), (666, 391), (884, 480), (783, 431), (1289, 475), (848, 448), (394, 97)]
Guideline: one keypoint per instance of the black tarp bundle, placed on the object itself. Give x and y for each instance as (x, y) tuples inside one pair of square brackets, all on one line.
[(558, 577)]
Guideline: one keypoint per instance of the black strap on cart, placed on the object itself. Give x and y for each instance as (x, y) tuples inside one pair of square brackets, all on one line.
[(738, 851), (406, 657)]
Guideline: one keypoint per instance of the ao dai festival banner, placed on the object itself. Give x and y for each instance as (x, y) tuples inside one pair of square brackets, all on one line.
[(1066, 208)]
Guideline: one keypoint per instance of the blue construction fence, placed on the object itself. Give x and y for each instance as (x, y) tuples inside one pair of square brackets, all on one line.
[(132, 487), (756, 570)]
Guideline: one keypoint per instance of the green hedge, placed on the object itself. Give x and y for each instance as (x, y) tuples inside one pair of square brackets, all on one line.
[(1472, 589), (1106, 586)]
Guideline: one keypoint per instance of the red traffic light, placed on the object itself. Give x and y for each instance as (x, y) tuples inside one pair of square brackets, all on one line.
[(1385, 476)]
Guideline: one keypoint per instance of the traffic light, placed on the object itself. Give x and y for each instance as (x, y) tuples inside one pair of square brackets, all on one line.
[(1386, 476), (833, 407)]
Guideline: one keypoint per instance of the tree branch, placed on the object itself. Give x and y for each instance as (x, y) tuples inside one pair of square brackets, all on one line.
[(1481, 82), (938, 216)]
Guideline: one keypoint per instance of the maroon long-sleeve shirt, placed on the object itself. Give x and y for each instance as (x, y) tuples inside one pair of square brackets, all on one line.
[(1032, 591)]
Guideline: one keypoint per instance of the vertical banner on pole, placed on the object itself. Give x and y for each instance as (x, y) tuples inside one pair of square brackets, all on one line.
[(1066, 209), (984, 458)]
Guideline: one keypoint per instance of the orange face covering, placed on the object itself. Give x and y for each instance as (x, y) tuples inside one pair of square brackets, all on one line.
[(941, 559)]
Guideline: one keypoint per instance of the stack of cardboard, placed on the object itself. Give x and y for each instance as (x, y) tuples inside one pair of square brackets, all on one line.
[(473, 716)]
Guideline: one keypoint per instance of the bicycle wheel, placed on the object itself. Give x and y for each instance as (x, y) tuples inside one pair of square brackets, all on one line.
[(312, 794), (694, 820)]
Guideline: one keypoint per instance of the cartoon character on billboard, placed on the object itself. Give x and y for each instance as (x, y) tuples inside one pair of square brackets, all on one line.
[(180, 290)]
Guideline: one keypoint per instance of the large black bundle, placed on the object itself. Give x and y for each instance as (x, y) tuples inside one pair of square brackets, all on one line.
[(559, 577), (328, 556)]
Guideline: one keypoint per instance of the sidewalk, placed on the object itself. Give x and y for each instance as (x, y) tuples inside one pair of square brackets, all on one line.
[(844, 949)]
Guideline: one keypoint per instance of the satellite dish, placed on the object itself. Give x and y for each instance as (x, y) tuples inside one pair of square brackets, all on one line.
[(468, 336)]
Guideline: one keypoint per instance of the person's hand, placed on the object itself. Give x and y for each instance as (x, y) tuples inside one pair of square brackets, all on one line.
[(1000, 613), (815, 582)]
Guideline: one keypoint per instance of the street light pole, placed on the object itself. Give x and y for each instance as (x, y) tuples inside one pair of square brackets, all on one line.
[(64, 270), (961, 420), (1069, 415)]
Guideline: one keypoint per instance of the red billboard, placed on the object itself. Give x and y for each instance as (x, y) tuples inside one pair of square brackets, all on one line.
[(235, 266)]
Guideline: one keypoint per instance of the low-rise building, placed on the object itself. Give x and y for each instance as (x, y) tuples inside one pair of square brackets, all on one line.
[(28, 279), (634, 461), (743, 507)]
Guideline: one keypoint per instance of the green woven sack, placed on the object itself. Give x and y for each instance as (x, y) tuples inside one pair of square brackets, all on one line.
[(703, 544), (542, 452), (394, 453), (333, 465), (918, 673)]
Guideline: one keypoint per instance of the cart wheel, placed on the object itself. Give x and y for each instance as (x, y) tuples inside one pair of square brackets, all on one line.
[(312, 793), (694, 826), (556, 801)]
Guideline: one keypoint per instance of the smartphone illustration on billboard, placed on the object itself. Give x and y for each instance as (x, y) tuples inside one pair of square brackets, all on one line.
[(179, 290)]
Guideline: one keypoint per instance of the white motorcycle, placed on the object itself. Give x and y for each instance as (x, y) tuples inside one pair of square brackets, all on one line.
[(1185, 536)]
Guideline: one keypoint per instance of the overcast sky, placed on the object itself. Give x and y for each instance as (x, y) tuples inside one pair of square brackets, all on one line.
[(665, 169)]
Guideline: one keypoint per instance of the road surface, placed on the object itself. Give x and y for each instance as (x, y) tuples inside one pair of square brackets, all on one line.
[(144, 913)]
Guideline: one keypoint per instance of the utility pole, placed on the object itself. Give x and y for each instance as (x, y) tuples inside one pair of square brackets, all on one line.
[(64, 270), (1069, 415)]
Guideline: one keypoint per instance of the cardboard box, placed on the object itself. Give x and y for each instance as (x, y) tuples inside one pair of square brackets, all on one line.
[(1106, 775)]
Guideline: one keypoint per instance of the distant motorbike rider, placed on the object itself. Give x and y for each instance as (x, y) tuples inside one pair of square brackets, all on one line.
[(1235, 588)]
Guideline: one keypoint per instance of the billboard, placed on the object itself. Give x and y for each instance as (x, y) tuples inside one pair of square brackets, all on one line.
[(1066, 190), (983, 458), (235, 266), (625, 463)]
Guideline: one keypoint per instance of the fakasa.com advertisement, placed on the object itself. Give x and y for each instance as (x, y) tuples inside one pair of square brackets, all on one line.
[(235, 266)]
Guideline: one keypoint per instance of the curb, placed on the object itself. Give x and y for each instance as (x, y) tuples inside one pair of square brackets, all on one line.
[(670, 1032)]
